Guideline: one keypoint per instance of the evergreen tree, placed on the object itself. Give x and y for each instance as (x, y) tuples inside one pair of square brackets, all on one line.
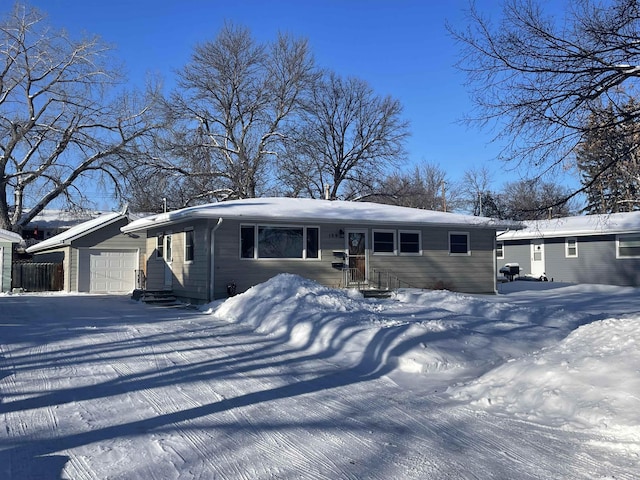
[(609, 160)]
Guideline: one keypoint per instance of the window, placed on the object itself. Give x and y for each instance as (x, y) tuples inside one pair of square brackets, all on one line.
[(409, 243), (384, 242), (269, 241), (247, 241), (168, 254), (188, 245), (459, 243), (160, 246), (628, 246), (313, 242), (571, 247), (499, 249), (280, 242)]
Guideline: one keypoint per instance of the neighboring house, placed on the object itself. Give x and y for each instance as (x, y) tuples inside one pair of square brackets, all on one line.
[(7, 240), (211, 251), (96, 256), (586, 249), (49, 223)]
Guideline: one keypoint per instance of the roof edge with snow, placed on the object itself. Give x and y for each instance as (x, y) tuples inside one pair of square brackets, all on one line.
[(80, 230), (312, 210)]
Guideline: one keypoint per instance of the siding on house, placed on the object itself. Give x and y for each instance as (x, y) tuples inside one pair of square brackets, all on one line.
[(434, 267), (594, 256), (596, 261), (7, 241), (6, 249)]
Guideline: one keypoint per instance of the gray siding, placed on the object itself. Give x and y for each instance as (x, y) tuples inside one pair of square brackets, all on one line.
[(433, 268), (517, 251), (6, 249), (596, 261)]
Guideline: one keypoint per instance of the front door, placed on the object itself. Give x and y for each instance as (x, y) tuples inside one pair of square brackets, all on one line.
[(357, 255), (537, 258)]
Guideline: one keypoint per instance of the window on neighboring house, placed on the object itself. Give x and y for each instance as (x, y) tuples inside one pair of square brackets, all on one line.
[(384, 242), (188, 245), (499, 249), (410, 242), (269, 241), (571, 247), (160, 246), (628, 246), (459, 243)]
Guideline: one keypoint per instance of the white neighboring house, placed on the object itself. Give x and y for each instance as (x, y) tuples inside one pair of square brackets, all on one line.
[(601, 249), (96, 256), (7, 240)]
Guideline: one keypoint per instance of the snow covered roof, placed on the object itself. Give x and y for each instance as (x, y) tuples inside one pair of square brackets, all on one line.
[(584, 225), (7, 236), (63, 219), (66, 237), (305, 209)]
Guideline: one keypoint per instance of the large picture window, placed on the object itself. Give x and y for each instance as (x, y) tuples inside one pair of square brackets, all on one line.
[(272, 241), (459, 243), (628, 246)]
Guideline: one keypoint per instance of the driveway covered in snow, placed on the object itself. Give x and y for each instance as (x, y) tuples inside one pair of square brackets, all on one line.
[(291, 381)]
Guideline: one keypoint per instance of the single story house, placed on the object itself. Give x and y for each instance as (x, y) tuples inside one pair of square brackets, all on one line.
[(601, 249), (96, 256), (7, 240), (211, 251)]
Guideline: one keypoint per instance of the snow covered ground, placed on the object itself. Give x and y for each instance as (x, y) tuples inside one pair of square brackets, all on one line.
[(294, 380)]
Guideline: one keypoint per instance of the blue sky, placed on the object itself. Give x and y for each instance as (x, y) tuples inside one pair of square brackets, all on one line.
[(401, 47)]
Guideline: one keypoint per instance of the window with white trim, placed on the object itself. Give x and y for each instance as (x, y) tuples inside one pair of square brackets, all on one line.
[(168, 249), (459, 243), (189, 245), (279, 241), (160, 246), (628, 246), (410, 242), (384, 242), (571, 247), (499, 249)]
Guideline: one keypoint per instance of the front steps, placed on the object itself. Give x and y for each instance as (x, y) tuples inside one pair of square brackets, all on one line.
[(155, 297)]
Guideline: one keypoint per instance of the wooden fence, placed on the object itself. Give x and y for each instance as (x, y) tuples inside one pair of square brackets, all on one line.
[(38, 277)]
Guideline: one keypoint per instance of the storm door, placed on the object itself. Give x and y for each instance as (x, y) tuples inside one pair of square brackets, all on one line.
[(537, 258), (356, 255)]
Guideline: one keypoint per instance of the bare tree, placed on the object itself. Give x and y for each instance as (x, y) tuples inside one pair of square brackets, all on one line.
[(229, 111), (475, 190), (348, 139), (61, 122), (538, 75)]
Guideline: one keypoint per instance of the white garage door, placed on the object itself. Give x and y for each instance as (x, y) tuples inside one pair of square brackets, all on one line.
[(112, 271)]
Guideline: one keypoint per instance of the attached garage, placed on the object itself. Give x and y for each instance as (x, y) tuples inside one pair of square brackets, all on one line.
[(107, 271)]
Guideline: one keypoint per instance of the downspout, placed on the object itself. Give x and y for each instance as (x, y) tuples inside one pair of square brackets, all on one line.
[(212, 254)]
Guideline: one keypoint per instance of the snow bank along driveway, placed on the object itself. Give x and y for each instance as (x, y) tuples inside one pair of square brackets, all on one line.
[(293, 380)]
